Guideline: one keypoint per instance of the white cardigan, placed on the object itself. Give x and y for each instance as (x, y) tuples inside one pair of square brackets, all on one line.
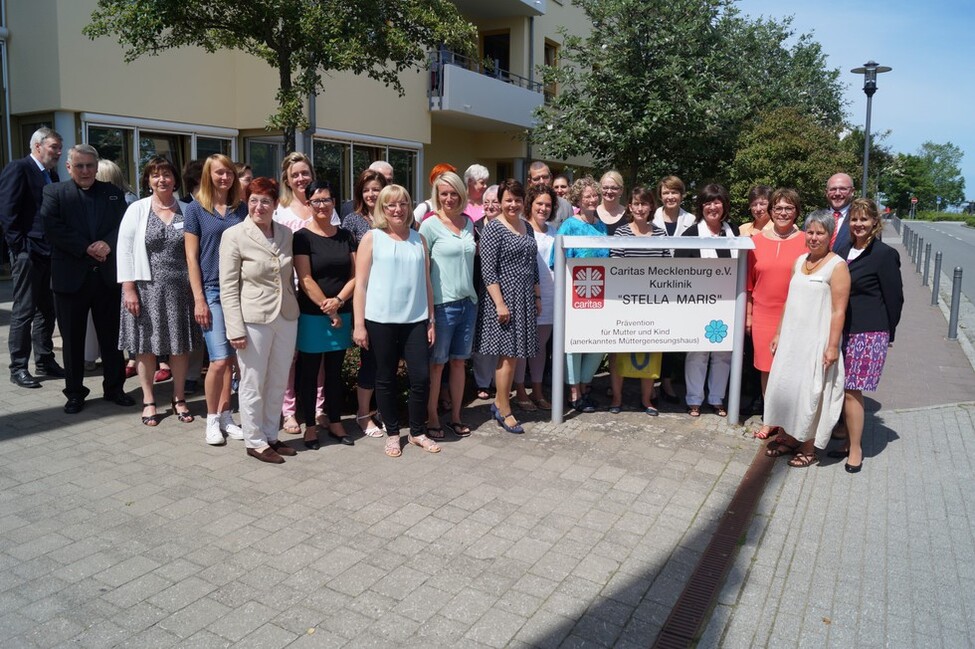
[(132, 260), (684, 221)]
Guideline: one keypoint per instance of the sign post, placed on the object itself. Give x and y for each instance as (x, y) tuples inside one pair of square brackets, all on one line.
[(649, 304)]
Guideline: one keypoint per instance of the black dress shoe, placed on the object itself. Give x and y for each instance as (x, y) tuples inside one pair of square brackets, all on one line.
[(50, 368), (281, 448), (120, 399), (24, 379), (342, 439), (74, 405)]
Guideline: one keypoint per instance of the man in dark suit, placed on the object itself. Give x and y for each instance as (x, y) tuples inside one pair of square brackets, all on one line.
[(81, 218), (32, 313), (839, 195)]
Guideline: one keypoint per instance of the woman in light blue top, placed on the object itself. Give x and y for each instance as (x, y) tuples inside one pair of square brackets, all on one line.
[(581, 367), (393, 310), (449, 233)]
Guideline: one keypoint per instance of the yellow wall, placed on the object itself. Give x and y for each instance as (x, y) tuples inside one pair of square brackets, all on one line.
[(360, 105), (33, 52)]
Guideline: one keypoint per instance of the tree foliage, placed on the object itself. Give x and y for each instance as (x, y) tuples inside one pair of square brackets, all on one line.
[(784, 148), (934, 171), (301, 39), (666, 86)]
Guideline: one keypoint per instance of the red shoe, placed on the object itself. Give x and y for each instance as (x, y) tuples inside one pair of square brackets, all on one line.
[(130, 371), (162, 375)]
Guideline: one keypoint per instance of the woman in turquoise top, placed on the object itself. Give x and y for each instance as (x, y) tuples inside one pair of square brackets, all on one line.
[(580, 368), (393, 311), (449, 234)]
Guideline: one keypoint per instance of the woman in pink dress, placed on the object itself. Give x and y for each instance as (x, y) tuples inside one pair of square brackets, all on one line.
[(769, 272)]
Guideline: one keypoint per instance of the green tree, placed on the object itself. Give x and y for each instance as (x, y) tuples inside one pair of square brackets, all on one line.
[(881, 157), (934, 171), (301, 39), (666, 86), (784, 148)]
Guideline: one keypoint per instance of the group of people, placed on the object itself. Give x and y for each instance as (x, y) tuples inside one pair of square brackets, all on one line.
[(276, 282)]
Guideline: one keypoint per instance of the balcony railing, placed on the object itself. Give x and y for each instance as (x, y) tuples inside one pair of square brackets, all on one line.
[(439, 58)]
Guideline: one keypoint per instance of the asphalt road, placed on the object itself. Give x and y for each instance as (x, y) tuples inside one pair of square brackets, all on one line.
[(957, 245)]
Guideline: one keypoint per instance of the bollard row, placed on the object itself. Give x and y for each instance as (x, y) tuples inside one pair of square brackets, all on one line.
[(920, 254)]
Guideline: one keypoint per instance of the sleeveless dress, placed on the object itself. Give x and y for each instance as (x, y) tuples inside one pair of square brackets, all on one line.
[(801, 397), (165, 324)]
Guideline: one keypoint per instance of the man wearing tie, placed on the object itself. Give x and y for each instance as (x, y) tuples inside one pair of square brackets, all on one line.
[(81, 218), (839, 195), (32, 313)]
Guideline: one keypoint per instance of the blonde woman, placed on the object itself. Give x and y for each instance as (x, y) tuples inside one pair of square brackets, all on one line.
[(610, 210), (217, 207), (393, 313)]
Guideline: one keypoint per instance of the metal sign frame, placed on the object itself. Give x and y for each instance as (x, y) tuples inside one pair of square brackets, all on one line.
[(648, 243)]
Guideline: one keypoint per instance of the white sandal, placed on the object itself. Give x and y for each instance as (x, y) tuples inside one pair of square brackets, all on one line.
[(372, 430)]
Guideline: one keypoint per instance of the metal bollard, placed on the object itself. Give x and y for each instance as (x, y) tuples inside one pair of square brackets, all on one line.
[(936, 285), (918, 255), (955, 304), (906, 235), (913, 245), (927, 264)]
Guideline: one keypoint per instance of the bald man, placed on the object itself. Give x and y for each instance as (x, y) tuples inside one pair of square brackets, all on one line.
[(839, 195)]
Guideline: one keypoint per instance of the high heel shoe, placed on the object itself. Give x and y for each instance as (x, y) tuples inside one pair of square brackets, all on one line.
[(312, 443), (853, 469), (184, 416), (518, 429), (153, 419)]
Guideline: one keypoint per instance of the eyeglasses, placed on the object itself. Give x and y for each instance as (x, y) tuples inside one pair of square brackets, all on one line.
[(403, 205), (262, 202), (784, 209), (838, 190), (611, 188), (321, 202)]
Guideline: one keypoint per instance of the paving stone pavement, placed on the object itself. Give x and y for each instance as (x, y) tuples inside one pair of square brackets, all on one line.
[(582, 535), (885, 557), (112, 534)]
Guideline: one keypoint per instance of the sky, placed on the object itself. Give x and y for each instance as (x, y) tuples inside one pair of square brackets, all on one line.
[(930, 93)]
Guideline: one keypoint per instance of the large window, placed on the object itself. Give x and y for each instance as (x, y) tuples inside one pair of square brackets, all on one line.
[(130, 143), (341, 161), (331, 160), (264, 157)]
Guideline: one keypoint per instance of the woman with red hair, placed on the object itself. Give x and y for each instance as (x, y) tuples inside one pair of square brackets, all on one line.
[(257, 290)]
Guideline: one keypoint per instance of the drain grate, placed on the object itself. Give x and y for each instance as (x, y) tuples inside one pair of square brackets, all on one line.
[(691, 611)]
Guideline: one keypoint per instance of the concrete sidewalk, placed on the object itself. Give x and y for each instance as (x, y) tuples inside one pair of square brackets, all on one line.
[(886, 557)]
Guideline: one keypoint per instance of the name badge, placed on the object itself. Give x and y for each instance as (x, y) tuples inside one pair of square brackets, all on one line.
[(178, 225), (818, 280)]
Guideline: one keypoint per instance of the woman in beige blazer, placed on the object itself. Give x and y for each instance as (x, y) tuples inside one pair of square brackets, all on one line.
[(260, 308)]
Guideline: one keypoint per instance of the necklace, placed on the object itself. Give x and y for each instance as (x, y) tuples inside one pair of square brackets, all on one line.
[(809, 268), (786, 235), (160, 206)]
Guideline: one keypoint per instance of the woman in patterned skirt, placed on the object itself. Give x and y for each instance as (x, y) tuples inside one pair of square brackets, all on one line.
[(507, 315), (876, 299), (157, 306)]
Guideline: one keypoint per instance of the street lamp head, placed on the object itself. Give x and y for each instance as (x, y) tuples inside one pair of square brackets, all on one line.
[(870, 70)]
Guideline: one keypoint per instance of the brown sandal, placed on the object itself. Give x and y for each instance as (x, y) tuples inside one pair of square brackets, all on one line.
[(802, 460), (694, 411), (776, 448)]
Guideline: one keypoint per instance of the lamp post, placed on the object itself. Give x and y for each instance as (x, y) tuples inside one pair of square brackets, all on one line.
[(870, 70)]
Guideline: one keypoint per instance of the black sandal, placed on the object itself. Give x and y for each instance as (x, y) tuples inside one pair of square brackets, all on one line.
[(153, 419), (184, 416), (460, 429), (435, 435)]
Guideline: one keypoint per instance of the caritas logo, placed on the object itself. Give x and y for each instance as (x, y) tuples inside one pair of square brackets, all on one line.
[(588, 287)]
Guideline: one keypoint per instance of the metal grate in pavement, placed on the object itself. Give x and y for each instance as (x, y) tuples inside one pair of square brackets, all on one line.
[(690, 613)]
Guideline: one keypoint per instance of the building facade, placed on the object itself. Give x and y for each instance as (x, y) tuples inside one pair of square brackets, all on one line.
[(187, 103)]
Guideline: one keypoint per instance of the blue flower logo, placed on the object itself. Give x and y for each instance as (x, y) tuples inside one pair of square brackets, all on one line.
[(716, 331)]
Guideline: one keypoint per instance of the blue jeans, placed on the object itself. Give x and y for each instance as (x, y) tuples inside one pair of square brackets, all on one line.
[(218, 347), (454, 331)]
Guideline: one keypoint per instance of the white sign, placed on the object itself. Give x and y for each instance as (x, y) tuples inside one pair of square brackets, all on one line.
[(650, 304)]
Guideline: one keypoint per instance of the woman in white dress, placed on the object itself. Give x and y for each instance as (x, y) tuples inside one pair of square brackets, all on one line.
[(804, 396)]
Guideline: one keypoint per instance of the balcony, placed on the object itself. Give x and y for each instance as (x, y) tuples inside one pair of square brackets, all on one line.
[(473, 94), (500, 8)]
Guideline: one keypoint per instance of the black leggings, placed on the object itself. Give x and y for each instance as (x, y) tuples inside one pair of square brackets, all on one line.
[(390, 343), (307, 380)]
